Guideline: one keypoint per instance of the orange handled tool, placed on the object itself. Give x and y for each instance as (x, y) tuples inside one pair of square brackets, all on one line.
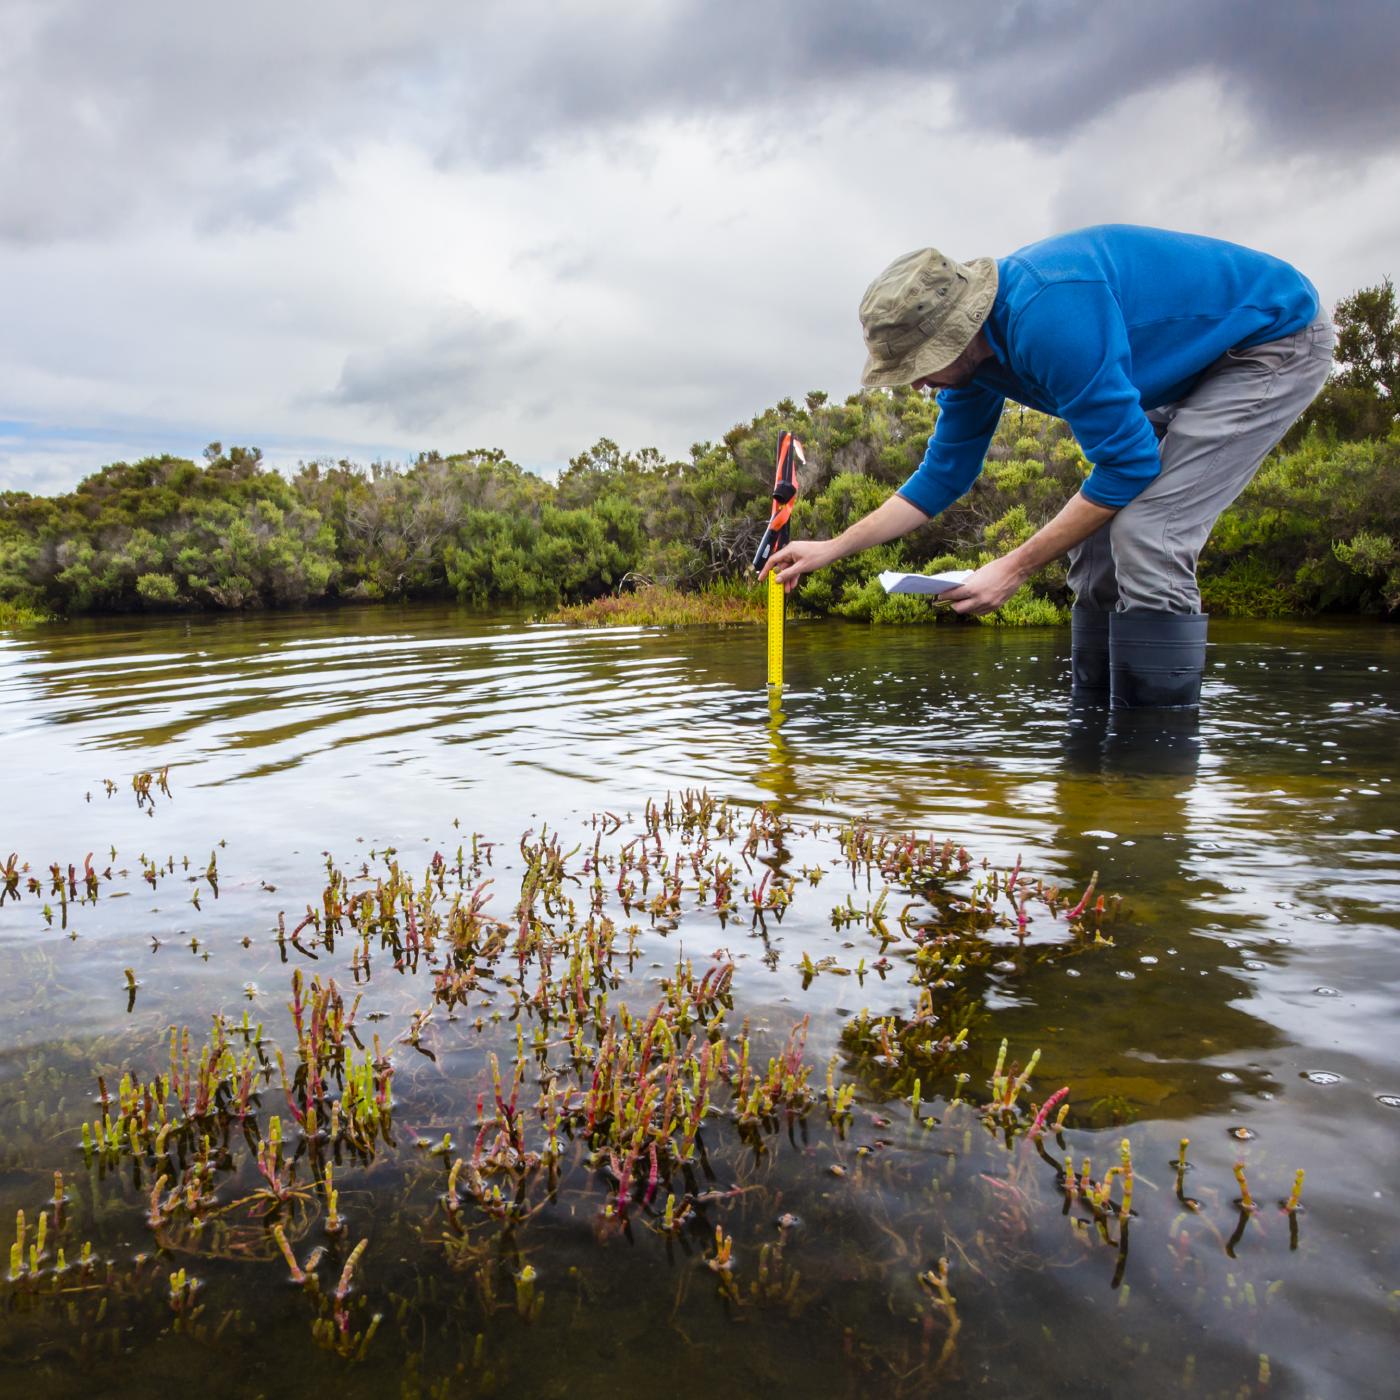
[(784, 498)]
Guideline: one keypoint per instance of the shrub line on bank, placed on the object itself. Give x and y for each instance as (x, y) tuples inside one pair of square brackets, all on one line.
[(1318, 529)]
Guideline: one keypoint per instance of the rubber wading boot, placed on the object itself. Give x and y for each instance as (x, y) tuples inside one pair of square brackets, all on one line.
[(1155, 659), (1088, 657)]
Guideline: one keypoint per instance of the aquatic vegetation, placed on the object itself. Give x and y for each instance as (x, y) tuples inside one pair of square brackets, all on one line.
[(657, 605), (141, 785), (561, 1072), (16, 615)]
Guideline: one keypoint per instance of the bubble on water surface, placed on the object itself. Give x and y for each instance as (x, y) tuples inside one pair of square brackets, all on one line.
[(1326, 992), (1388, 1100), (1004, 966), (1069, 972), (1321, 1076), (1243, 1134), (1148, 959), (1253, 966), (1126, 975), (1228, 1076)]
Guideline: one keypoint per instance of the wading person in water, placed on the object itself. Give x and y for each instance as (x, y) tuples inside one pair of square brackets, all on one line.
[(1176, 361)]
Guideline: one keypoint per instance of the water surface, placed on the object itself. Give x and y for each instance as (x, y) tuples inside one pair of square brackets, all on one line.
[(1247, 1001)]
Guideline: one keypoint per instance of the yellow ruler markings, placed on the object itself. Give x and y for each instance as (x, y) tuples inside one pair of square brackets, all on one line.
[(775, 630)]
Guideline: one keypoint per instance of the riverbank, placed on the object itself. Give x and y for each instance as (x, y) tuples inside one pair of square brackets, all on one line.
[(1317, 529)]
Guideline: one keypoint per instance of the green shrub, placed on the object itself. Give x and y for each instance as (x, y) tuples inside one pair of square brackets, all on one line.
[(1248, 588), (1375, 557), (1316, 525), (158, 590), (868, 602), (1025, 608)]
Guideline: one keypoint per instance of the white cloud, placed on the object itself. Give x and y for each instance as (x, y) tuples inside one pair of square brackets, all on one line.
[(306, 243)]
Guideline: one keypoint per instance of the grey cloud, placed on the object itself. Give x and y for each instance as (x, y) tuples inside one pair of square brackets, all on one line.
[(234, 115), (1312, 76), (461, 364), (266, 196)]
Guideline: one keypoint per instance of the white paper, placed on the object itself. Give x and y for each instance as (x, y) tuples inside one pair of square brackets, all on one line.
[(931, 584)]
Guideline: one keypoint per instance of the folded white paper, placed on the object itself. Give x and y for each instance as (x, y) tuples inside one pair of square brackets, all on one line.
[(893, 582)]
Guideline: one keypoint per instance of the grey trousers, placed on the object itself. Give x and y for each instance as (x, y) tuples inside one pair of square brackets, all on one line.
[(1211, 443)]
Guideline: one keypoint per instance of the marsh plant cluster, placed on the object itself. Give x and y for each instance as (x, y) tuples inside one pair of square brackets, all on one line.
[(589, 1110)]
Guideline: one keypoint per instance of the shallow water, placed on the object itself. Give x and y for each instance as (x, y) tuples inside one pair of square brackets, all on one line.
[(1247, 1001)]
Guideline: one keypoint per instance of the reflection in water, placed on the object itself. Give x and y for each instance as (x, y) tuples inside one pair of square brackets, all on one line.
[(778, 776), (1177, 1008)]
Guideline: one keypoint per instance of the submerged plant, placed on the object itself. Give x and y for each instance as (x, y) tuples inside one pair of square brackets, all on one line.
[(614, 1086)]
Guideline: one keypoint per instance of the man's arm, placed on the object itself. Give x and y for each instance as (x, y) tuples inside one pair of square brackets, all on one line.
[(967, 417), (895, 517), (992, 584), (987, 589)]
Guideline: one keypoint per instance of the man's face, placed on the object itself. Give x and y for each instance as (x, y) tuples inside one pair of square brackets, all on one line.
[(959, 373), (950, 378)]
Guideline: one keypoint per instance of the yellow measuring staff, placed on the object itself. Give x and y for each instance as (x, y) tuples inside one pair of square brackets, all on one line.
[(776, 599), (774, 538)]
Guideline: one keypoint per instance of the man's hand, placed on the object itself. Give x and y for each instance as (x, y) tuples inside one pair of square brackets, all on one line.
[(798, 558), (987, 589), (994, 583)]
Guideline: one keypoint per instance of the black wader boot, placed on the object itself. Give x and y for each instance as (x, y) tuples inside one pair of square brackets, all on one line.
[(1088, 652), (1156, 659)]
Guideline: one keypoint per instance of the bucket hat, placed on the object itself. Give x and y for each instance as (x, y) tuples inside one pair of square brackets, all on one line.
[(921, 313)]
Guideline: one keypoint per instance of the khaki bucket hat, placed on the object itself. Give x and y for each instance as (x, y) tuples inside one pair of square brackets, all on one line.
[(921, 313)]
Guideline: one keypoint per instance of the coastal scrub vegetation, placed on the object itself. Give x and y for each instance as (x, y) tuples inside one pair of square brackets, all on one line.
[(13, 615), (1319, 528)]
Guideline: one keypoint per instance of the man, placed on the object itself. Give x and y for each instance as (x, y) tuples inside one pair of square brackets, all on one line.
[(1177, 362)]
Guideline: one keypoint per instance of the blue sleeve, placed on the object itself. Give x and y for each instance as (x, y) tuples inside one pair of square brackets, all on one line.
[(1072, 341), (967, 418)]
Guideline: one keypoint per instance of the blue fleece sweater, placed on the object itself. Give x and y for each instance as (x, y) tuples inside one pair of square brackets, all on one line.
[(1096, 327)]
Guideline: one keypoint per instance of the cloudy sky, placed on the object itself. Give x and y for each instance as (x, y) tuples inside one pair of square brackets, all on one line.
[(366, 230)]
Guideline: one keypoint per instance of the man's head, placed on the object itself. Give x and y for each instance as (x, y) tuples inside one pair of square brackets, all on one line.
[(921, 317)]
